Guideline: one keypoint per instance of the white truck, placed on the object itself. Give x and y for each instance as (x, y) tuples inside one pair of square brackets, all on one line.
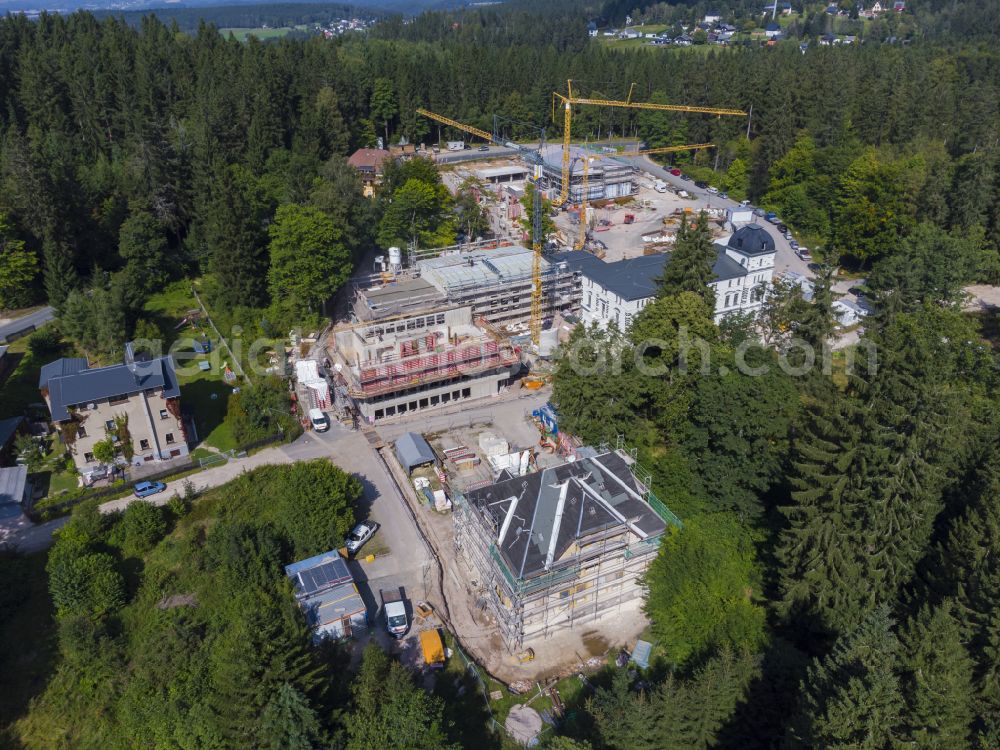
[(456, 145), (394, 607)]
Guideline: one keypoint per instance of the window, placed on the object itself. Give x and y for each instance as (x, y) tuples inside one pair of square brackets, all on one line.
[(390, 411), (175, 453), (379, 413), (435, 400), (163, 414), (588, 299), (423, 403), (144, 445), (445, 398), (88, 457), (170, 438), (81, 431), (413, 406), (402, 408), (118, 399), (466, 392)]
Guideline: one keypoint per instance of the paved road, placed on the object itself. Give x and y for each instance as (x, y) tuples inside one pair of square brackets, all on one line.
[(26, 323), (785, 258)]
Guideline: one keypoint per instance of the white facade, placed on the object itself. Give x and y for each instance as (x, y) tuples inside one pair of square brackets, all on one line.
[(603, 307), (616, 292)]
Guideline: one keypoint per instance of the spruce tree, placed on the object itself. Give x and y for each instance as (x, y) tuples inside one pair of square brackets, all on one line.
[(689, 265), (938, 680), (852, 697), (59, 276), (289, 723), (817, 551)]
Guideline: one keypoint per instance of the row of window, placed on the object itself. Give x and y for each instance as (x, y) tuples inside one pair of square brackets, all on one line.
[(423, 403), (143, 444), (175, 453), (401, 326)]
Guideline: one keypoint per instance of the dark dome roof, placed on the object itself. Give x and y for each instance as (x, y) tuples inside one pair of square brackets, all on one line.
[(752, 239)]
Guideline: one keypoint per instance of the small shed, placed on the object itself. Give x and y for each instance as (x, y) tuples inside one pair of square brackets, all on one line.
[(8, 431), (412, 451), (202, 345), (13, 490)]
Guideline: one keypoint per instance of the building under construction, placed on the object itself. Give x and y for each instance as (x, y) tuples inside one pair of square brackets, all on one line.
[(607, 178), (420, 360), (495, 283), (561, 547)]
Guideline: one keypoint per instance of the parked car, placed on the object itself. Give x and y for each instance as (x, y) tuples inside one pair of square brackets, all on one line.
[(484, 148), (782, 228), (320, 422), (794, 244), (723, 195), (804, 254), (359, 535), (675, 172), (686, 177), (701, 184), (771, 217), (758, 212), (713, 190), (396, 621), (744, 204), (145, 489), (788, 235)]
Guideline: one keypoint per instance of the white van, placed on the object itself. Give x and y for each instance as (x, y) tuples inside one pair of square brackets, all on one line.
[(660, 186), (319, 420)]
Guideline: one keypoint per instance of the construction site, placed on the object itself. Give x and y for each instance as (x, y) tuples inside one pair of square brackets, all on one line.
[(562, 547), (407, 363)]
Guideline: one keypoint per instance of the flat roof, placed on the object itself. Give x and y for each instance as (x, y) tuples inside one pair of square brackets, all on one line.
[(480, 268), (334, 604), (552, 155), (488, 172)]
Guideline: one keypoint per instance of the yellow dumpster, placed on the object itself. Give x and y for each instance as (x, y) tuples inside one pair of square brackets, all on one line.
[(433, 648)]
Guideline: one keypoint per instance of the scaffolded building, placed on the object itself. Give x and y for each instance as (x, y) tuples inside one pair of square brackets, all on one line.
[(607, 178), (494, 282), (420, 360), (563, 546)]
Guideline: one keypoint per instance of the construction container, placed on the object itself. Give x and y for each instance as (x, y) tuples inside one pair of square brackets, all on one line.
[(433, 648)]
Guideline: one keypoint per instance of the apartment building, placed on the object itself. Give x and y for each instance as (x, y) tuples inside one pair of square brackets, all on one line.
[(137, 405), (421, 360)]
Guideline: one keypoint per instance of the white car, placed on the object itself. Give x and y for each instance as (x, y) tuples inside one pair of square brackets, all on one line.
[(359, 535), (712, 189)]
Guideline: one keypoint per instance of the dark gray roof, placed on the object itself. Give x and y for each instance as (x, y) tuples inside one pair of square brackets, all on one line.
[(597, 492), (636, 278), (64, 366), (8, 428), (630, 279), (12, 482), (726, 268), (93, 384), (412, 450), (752, 239)]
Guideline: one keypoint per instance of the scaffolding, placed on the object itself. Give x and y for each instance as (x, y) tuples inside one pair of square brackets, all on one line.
[(604, 572), (427, 360)]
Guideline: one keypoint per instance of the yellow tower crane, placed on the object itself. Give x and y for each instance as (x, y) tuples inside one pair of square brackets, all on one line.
[(569, 101), (534, 157), (582, 239)]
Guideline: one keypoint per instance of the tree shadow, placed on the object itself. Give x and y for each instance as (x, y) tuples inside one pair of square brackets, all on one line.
[(28, 631), (761, 719), (208, 413)]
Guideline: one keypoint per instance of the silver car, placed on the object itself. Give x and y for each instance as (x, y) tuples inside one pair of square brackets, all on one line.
[(360, 534)]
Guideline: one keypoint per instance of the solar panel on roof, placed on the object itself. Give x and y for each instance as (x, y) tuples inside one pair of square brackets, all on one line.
[(323, 576)]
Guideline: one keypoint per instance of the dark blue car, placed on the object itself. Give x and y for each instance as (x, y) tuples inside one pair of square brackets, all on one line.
[(145, 489)]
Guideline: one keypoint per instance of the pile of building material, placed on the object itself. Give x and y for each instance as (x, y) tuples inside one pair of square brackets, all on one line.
[(314, 384)]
